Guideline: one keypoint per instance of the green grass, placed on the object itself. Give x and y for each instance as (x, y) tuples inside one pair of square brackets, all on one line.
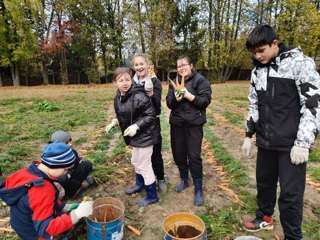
[(314, 173), (224, 223), (314, 155), (311, 229), (235, 119), (235, 169)]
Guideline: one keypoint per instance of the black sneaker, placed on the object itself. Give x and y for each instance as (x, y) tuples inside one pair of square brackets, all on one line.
[(258, 224)]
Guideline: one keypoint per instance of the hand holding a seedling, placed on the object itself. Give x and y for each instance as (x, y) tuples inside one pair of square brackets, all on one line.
[(246, 147), (178, 95), (113, 123), (131, 130), (299, 155), (148, 85)]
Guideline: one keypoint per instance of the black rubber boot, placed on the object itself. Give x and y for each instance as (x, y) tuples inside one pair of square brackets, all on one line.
[(138, 187), (152, 196), (184, 182), (198, 195)]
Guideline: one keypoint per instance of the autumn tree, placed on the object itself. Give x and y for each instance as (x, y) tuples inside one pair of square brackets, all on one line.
[(298, 25)]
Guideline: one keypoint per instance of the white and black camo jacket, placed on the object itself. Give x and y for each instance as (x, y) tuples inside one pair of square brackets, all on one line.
[(284, 95)]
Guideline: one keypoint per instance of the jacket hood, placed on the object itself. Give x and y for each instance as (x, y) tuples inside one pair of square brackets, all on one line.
[(18, 184)]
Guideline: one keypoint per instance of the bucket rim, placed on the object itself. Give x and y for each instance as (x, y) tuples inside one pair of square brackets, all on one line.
[(185, 213), (121, 209), (113, 199)]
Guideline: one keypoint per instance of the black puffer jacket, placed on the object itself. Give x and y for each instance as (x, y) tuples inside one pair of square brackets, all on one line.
[(186, 113), (136, 108)]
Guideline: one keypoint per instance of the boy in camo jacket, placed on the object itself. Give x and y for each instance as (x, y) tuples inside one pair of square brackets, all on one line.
[(284, 113)]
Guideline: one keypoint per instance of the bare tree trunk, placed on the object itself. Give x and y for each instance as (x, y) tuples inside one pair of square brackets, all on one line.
[(238, 20), (26, 77), (15, 73), (143, 45), (104, 60), (210, 34), (64, 67), (276, 7), (226, 37), (1, 79), (79, 77), (217, 32), (44, 70)]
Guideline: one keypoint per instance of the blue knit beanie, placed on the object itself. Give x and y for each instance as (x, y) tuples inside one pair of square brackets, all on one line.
[(57, 155)]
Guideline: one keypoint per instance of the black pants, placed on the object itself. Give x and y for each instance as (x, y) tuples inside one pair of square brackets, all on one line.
[(80, 172), (157, 161), (274, 165), (156, 158), (186, 149)]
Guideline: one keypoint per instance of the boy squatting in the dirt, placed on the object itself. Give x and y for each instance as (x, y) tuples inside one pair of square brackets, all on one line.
[(79, 177), (35, 211), (284, 113)]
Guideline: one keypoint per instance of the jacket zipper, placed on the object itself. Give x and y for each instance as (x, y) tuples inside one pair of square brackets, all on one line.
[(267, 109)]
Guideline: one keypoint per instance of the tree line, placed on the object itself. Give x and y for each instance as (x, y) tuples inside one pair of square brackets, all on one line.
[(60, 38)]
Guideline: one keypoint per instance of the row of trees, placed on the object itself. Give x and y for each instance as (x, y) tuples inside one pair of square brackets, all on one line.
[(73, 37)]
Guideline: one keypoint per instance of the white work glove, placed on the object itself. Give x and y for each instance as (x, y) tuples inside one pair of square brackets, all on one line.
[(113, 123), (148, 85), (246, 147), (299, 155), (186, 94), (131, 130), (83, 210), (178, 95)]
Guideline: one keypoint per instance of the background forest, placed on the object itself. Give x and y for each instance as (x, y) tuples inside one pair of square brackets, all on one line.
[(73, 41)]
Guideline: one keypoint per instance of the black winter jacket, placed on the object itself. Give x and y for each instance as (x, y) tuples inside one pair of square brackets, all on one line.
[(186, 113), (135, 107)]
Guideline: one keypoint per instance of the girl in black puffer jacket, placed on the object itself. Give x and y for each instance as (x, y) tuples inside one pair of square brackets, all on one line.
[(136, 116)]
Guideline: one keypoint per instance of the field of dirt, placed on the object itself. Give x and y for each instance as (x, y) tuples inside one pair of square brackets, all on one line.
[(149, 219)]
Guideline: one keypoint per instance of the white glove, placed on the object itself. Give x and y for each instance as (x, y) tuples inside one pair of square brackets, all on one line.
[(148, 85), (187, 95), (178, 95), (299, 155), (131, 130), (246, 147), (113, 123), (83, 210)]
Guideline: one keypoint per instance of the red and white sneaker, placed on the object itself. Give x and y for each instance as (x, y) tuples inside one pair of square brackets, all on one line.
[(258, 224)]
